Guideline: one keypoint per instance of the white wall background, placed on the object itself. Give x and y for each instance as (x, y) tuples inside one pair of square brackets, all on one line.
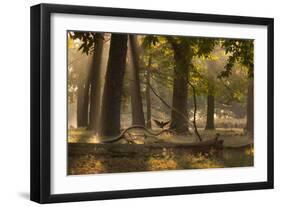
[(14, 104)]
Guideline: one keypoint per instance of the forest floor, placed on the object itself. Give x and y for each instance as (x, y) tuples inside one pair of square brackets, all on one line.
[(85, 156)]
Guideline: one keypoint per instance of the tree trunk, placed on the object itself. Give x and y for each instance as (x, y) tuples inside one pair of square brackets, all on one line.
[(136, 99), (182, 62), (80, 105), (147, 95), (210, 122), (111, 101), (86, 103), (250, 110), (195, 111), (95, 96), (83, 99), (210, 112)]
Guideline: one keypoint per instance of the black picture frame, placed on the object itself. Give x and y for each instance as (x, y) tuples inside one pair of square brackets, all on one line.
[(41, 96)]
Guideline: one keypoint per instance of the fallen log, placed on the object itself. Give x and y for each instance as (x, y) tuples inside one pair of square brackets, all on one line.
[(117, 149), (121, 135), (248, 145)]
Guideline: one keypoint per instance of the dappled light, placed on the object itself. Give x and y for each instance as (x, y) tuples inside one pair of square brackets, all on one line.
[(158, 102)]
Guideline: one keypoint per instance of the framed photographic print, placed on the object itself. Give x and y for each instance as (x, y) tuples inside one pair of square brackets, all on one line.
[(133, 103)]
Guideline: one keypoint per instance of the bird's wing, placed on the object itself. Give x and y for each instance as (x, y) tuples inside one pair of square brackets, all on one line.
[(157, 122), (165, 123)]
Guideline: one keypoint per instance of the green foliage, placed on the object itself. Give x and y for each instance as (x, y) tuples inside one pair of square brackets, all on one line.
[(162, 61), (87, 40), (204, 73), (234, 87), (218, 66), (202, 47), (239, 51), (209, 60), (149, 40)]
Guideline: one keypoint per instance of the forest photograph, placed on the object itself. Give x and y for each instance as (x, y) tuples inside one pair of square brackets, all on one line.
[(146, 102)]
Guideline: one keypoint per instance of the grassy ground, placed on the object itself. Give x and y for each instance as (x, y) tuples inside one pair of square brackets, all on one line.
[(166, 159), (92, 162)]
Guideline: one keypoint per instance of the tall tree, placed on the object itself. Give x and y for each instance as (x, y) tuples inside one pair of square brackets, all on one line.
[(181, 50), (182, 56), (111, 100), (95, 82), (147, 94), (90, 44), (148, 42), (82, 96), (136, 99), (185, 48), (82, 103), (210, 123), (242, 51)]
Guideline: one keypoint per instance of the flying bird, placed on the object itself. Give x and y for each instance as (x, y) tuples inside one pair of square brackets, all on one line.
[(161, 124)]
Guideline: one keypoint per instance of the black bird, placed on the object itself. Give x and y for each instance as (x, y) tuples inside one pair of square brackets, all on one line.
[(161, 124)]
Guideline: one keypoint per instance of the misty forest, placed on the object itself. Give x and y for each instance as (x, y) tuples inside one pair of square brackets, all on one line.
[(158, 102)]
